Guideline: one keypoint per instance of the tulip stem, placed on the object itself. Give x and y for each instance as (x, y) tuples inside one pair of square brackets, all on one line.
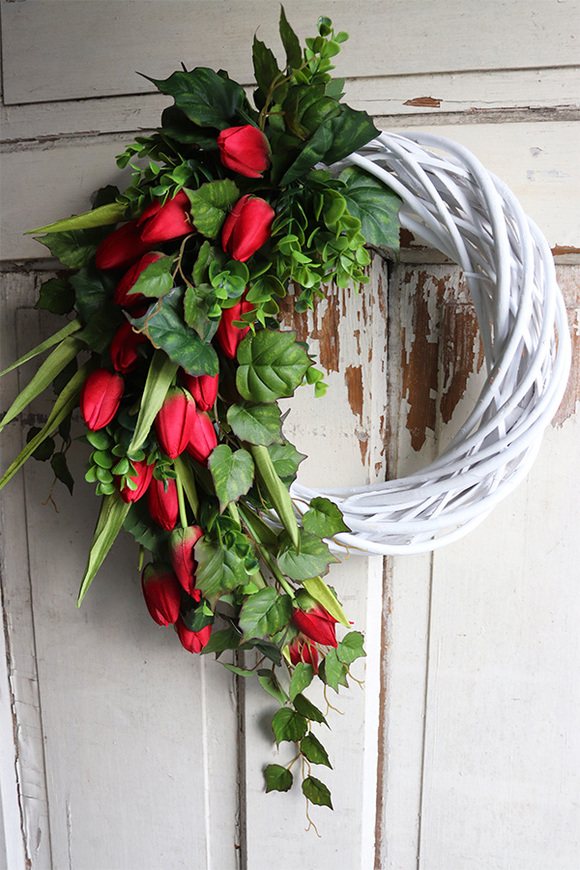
[(181, 503), (265, 555)]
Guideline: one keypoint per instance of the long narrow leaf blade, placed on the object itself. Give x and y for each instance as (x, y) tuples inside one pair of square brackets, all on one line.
[(111, 213), (317, 588), (67, 330), (159, 377), (109, 524)]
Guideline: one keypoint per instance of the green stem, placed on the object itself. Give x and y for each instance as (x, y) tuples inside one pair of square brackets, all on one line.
[(265, 555), (181, 503), (187, 479)]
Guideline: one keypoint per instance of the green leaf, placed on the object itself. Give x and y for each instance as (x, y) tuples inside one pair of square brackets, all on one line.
[(285, 459), (350, 647), (232, 473), (307, 708), (277, 491), (155, 280), (313, 750), (105, 215), (61, 470), (159, 377), (57, 338), (272, 365), (311, 558), (109, 524), (102, 326), (301, 679), (332, 671), (241, 672), (220, 641), (210, 204), (207, 98), (182, 465), (265, 65), (166, 329), (144, 530), (290, 42), (323, 518), (277, 778), (316, 792), (74, 248), (265, 613), (198, 303), (56, 296), (92, 288), (270, 683), (317, 589), (257, 424), (374, 205), (219, 570), (289, 725)]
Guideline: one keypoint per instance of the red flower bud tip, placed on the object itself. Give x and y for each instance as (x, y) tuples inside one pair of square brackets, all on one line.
[(124, 347), (193, 641), (247, 227), (203, 438), (317, 624), (181, 553), (162, 594), (203, 388), (228, 335), (162, 503), (244, 150), (100, 397), (122, 295), (175, 422), (301, 650), (142, 477), (122, 248), (160, 223)]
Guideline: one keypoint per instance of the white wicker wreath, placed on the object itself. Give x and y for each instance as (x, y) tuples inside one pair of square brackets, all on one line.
[(454, 205)]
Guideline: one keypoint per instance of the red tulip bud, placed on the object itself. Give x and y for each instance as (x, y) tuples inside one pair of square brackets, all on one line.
[(203, 438), (162, 503), (301, 650), (203, 388), (181, 553), (160, 223), (121, 248), (142, 477), (100, 398), (174, 423), (244, 150), (228, 335), (247, 227), (193, 641), (122, 295), (162, 594), (124, 347), (314, 621)]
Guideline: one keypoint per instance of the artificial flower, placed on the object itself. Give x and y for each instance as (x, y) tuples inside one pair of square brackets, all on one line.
[(203, 388), (142, 477), (193, 641), (181, 553), (202, 438), (100, 398), (245, 150), (314, 621), (162, 503), (247, 227), (175, 422), (124, 347), (229, 336), (161, 222), (121, 248), (162, 594), (122, 295)]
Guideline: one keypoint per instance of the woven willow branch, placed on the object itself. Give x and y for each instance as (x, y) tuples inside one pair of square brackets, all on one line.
[(453, 204)]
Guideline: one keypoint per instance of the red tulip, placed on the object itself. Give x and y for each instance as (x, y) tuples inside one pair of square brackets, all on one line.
[(181, 553), (124, 347), (122, 296), (301, 650), (193, 641), (244, 150), (162, 503), (142, 477), (100, 398), (228, 335), (247, 227), (314, 621), (203, 438), (162, 594), (121, 248), (175, 422), (203, 388), (160, 223)]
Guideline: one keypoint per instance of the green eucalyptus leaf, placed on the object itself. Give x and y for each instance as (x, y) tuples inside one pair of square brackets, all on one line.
[(232, 473), (272, 365), (316, 792), (289, 725), (257, 424), (210, 204), (313, 750), (265, 613), (311, 558), (277, 778), (374, 205)]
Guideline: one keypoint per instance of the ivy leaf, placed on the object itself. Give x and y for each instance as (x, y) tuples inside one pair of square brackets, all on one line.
[(74, 248), (155, 280), (101, 327), (312, 558), (257, 424), (177, 126), (210, 204), (306, 708), (198, 304), (56, 296), (313, 750), (374, 205), (241, 672), (270, 683), (316, 792), (163, 325), (60, 467), (289, 725), (285, 459), (207, 98), (220, 641), (272, 365), (350, 647), (232, 473), (323, 518), (219, 570), (331, 671), (301, 679), (265, 613), (92, 288), (277, 778)]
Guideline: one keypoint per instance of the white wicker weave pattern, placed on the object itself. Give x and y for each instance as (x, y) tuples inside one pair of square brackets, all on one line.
[(453, 204)]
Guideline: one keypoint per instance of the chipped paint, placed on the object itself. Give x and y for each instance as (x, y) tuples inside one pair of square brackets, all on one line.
[(426, 102), (560, 250)]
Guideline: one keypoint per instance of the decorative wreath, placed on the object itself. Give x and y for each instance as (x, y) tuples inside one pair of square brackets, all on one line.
[(174, 354)]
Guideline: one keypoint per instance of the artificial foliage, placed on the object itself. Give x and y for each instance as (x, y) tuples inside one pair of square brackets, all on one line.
[(173, 352)]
